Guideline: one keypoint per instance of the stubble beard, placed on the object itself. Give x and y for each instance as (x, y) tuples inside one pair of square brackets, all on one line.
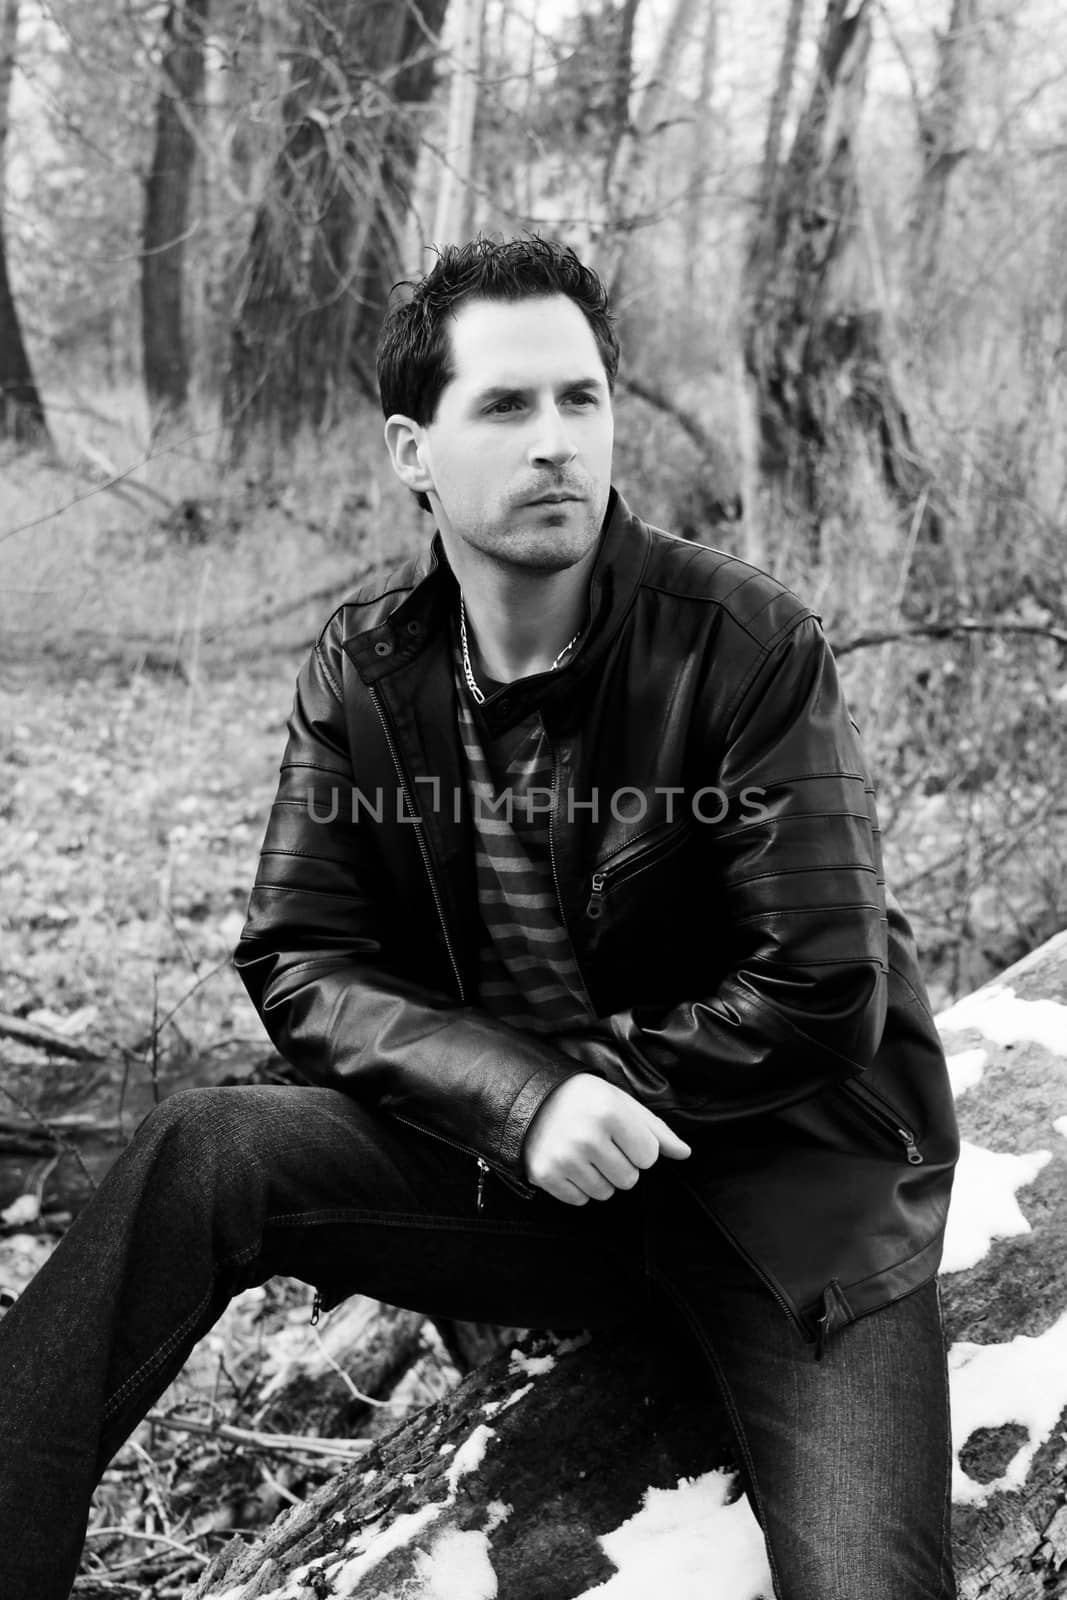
[(550, 542)]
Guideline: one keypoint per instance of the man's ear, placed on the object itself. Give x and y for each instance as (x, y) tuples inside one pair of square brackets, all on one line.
[(404, 442)]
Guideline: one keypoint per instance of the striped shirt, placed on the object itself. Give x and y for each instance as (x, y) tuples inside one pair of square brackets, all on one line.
[(528, 975)]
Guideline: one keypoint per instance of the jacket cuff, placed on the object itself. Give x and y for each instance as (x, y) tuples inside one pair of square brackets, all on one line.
[(525, 1106)]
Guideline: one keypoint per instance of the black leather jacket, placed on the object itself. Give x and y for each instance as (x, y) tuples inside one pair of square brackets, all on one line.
[(716, 857)]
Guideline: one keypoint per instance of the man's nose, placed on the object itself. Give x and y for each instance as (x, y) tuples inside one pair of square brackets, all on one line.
[(551, 441)]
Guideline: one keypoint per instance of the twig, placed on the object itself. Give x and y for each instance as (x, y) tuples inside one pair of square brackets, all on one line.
[(1007, 840), (277, 1485), (253, 1439), (354, 1391), (99, 488), (663, 402), (158, 1026), (185, 1547), (947, 630)]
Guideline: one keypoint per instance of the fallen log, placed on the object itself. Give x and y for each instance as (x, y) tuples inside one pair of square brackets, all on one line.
[(60, 1160), (48, 1039), (591, 1466), (504, 1486)]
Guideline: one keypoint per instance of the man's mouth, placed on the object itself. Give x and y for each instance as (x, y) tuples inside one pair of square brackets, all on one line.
[(553, 498)]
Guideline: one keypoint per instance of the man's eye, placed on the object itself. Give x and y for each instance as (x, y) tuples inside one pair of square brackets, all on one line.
[(502, 407), (582, 397)]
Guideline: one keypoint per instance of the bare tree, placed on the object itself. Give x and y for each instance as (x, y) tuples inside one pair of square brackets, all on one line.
[(622, 87), (22, 415), (783, 90), (327, 238), (813, 336), (631, 148), (700, 159), (166, 210), (454, 212), (940, 130)]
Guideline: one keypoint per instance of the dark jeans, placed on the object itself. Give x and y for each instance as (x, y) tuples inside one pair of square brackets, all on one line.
[(848, 1457)]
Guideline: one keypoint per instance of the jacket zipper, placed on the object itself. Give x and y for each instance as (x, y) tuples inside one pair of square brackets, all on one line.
[(555, 873), (735, 1243), (482, 1165), (598, 883), (872, 1106)]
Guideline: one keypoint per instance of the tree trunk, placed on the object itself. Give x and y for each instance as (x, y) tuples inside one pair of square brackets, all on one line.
[(939, 142), (166, 209), (628, 165), (454, 213), (699, 172), (770, 168), (22, 417), (813, 342), (325, 245), (621, 89), (520, 1481)]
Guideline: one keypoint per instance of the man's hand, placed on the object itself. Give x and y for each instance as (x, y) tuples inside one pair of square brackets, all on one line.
[(590, 1138)]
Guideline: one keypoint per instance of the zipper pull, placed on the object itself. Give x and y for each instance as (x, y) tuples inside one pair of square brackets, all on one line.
[(595, 906), (316, 1308), (914, 1154), (483, 1169)]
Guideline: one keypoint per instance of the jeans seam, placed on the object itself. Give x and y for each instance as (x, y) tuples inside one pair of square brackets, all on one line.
[(162, 1351), (735, 1419), (412, 1219), (947, 1575)]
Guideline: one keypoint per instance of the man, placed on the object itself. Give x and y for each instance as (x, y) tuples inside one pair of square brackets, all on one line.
[(571, 893)]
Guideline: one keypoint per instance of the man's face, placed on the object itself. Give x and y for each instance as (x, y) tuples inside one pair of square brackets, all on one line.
[(517, 460)]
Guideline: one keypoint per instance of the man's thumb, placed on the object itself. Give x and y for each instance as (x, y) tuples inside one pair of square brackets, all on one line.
[(669, 1142)]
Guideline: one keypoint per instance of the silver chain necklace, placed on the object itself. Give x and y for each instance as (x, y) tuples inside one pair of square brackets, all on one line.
[(468, 671)]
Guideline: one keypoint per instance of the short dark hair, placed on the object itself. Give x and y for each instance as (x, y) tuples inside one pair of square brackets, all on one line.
[(414, 350)]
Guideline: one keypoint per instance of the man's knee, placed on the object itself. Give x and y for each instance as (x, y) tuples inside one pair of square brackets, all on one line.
[(197, 1136)]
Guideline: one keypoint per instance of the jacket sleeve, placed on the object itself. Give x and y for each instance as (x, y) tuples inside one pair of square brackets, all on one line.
[(314, 960), (802, 1003)]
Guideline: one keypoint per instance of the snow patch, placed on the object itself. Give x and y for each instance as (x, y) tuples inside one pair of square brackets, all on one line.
[(1060, 1126), (678, 1538), (345, 1574), (294, 1587), (983, 1206), (965, 1070), (468, 1457), (493, 1407), (531, 1366), (456, 1567), (1000, 1016), (1023, 1381), (498, 1512)]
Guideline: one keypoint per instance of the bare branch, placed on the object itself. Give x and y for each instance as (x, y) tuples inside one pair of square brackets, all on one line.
[(949, 630), (339, 1450)]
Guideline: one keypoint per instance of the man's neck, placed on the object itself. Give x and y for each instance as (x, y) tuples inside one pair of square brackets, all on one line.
[(518, 622)]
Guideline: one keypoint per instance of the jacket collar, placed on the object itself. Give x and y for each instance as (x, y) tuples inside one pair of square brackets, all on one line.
[(431, 599)]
